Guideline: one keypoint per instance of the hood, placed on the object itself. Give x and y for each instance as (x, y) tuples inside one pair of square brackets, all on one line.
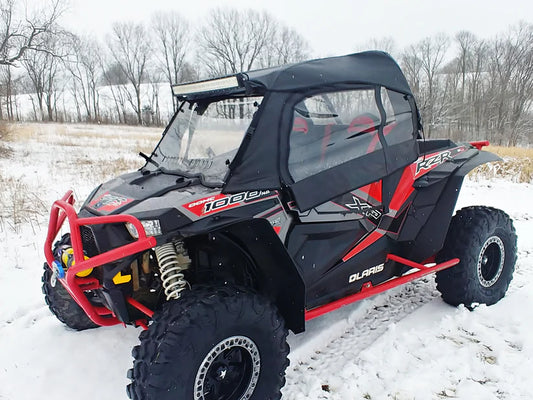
[(136, 192)]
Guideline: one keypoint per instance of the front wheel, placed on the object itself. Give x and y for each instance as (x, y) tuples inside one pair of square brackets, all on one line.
[(220, 343), (484, 239), (62, 305)]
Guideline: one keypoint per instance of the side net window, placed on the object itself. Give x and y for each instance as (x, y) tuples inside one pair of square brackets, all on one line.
[(332, 128), (399, 125)]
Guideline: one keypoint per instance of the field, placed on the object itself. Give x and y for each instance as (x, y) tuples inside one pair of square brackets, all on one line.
[(517, 165), (405, 344)]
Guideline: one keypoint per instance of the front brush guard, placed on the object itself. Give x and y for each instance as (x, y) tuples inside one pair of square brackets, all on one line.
[(62, 209)]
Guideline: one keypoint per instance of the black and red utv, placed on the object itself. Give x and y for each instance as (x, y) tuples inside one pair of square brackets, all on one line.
[(274, 196)]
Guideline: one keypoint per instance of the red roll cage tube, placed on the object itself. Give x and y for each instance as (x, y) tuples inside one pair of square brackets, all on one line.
[(75, 285)]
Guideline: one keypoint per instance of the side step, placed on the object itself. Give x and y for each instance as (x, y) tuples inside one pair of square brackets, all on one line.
[(368, 290)]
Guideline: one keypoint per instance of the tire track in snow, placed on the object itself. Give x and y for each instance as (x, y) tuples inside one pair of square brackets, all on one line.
[(311, 368), (315, 365), (26, 315)]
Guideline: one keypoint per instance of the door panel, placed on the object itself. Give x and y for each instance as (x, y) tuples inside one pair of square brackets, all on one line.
[(348, 139)]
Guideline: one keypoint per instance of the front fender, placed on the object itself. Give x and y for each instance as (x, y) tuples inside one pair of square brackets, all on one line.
[(278, 278)]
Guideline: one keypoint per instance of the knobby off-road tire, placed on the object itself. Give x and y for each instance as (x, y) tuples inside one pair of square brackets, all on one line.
[(63, 306), (222, 343), (484, 239)]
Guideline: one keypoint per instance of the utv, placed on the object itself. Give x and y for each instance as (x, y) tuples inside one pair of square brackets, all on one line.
[(273, 197)]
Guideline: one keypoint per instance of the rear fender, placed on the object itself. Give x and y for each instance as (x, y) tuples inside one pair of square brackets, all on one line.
[(432, 210)]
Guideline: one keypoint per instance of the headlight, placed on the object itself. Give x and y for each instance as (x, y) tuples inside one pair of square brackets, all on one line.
[(152, 227)]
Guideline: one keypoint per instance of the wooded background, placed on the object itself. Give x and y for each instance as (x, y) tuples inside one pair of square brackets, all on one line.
[(467, 88)]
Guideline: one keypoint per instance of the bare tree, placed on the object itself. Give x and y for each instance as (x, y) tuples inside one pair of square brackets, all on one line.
[(84, 67), (522, 86), (43, 68), (23, 30), (477, 88), (466, 40), (423, 61), (130, 47), (412, 68), (285, 47), (468, 95), (510, 69), (386, 44), (7, 90), (233, 40), (22, 33), (172, 35), (116, 81)]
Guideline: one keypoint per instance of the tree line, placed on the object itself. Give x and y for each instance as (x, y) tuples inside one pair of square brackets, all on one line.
[(472, 89), (118, 80), (467, 88)]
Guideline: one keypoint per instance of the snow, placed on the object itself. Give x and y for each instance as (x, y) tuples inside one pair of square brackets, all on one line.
[(404, 344)]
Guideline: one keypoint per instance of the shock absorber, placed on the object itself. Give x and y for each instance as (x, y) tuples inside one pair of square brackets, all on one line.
[(173, 259)]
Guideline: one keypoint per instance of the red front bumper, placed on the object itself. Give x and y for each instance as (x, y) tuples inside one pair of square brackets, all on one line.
[(62, 209)]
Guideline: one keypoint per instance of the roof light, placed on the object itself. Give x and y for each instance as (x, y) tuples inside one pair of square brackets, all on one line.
[(205, 86)]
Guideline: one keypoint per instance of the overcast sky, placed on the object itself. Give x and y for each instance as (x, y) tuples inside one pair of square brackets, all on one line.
[(332, 27)]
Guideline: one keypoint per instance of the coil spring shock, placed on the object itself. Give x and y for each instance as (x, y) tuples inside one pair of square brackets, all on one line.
[(173, 259)]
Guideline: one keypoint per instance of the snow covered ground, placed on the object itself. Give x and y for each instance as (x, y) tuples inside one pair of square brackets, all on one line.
[(404, 344)]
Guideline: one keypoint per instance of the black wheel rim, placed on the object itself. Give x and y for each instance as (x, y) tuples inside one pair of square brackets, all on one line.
[(229, 371), (490, 261)]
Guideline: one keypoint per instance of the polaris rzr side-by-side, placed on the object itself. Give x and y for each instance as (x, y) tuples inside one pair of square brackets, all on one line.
[(273, 197)]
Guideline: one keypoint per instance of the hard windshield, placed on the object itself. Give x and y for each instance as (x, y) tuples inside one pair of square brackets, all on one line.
[(203, 138)]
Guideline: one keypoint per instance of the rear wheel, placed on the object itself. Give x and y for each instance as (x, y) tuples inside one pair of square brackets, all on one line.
[(484, 239), (221, 343)]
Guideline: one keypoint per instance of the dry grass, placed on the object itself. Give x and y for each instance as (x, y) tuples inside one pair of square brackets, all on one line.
[(516, 152), (95, 170), (517, 165), (52, 132), (22, 132), (5, 151), (105, 170), (5, 136), (77, 153), (5, 131), (19, 205)]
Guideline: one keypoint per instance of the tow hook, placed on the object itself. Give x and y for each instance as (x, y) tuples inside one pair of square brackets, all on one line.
[(57, 272)]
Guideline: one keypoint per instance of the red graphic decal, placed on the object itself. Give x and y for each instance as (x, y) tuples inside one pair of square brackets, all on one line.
[(373, 190), (109, 202), (414, 171), (197, 206), (220, 202), (428, 162), (404, 189), (367, 241)]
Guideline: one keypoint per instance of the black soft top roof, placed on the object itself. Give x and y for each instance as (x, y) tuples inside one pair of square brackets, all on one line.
[(370, 67)]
